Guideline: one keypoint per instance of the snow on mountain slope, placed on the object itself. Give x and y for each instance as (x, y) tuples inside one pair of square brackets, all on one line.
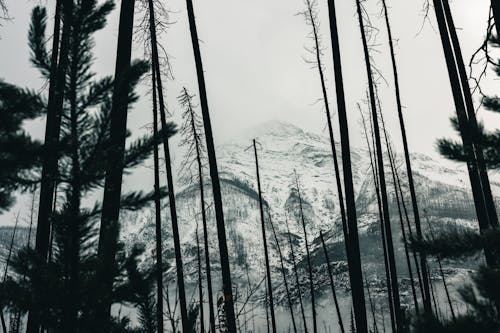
[(442, 189)]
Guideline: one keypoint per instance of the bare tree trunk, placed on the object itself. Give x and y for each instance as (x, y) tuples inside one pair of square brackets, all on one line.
[(464, 124), (159, 247), (416, 215), (297, 282), (108, 236), (332, 285), (7, 263), (471, 113), (495, 6), (353, 255), (168, 167), (58, 66), (372, 306), (264, 241), (214, 175), (283, 273), (382, 225), (308, 256), (200, 283), (381, 175)]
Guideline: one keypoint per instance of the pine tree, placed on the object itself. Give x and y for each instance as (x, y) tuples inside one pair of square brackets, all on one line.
[(192, 139), (61, 288), (20, 154), (214, 176)]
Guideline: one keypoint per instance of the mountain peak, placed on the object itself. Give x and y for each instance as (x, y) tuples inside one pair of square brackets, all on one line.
[(275, 128)]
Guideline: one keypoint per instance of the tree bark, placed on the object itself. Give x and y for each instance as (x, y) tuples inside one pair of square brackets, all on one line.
[(416, 214), (108, 235), (264, 241), (214, 175), (354, 257), (168, 167), (332, 285), (381, 174)]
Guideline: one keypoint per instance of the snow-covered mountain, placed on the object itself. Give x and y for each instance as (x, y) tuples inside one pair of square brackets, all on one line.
[(442, 187)]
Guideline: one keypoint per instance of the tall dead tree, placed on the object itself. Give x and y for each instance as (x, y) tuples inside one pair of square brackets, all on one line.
[(108, 235), (214, 175), (332, 285), (192, 140), (168, 168), (159, 247), (283, 273), (416, 215), (264, 242), (471, 114), (381, 172), (308, 254), (351, 232), (200, 282), (296, 275), (495, 7), (467, 125), (58, 67), (381, 219)]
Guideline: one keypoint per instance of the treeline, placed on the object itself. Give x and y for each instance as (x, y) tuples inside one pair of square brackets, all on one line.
[(79, 274)]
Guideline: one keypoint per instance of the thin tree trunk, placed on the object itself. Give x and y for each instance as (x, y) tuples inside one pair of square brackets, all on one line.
[(308, 256), (200, 283), (159, 247), (464, 124), (382, 226), (296, 274), (264, 241), (7, 263), (168, 167), (108, 235), (416, 215), (58, 66), (198, 150), (283, 273), (372, 306), (382, 182), (332, 285), (495, 6), (471, 113), (354, 257), (214, 175)]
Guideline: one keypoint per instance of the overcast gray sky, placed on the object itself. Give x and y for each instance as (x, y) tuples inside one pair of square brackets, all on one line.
[(253, 53)]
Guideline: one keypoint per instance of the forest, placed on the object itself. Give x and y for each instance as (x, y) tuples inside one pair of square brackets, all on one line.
[(121, 210)]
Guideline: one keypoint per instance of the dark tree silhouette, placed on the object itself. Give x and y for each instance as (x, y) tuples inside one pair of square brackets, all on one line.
[(192, 134), (159, 248), (351, 231), (264, 242), (283, 273), (466, 125), (214, 176), (297, 189), (168, 166), (381, 171), (108, 235), (416, 215), (296, 275), (332, 285)]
